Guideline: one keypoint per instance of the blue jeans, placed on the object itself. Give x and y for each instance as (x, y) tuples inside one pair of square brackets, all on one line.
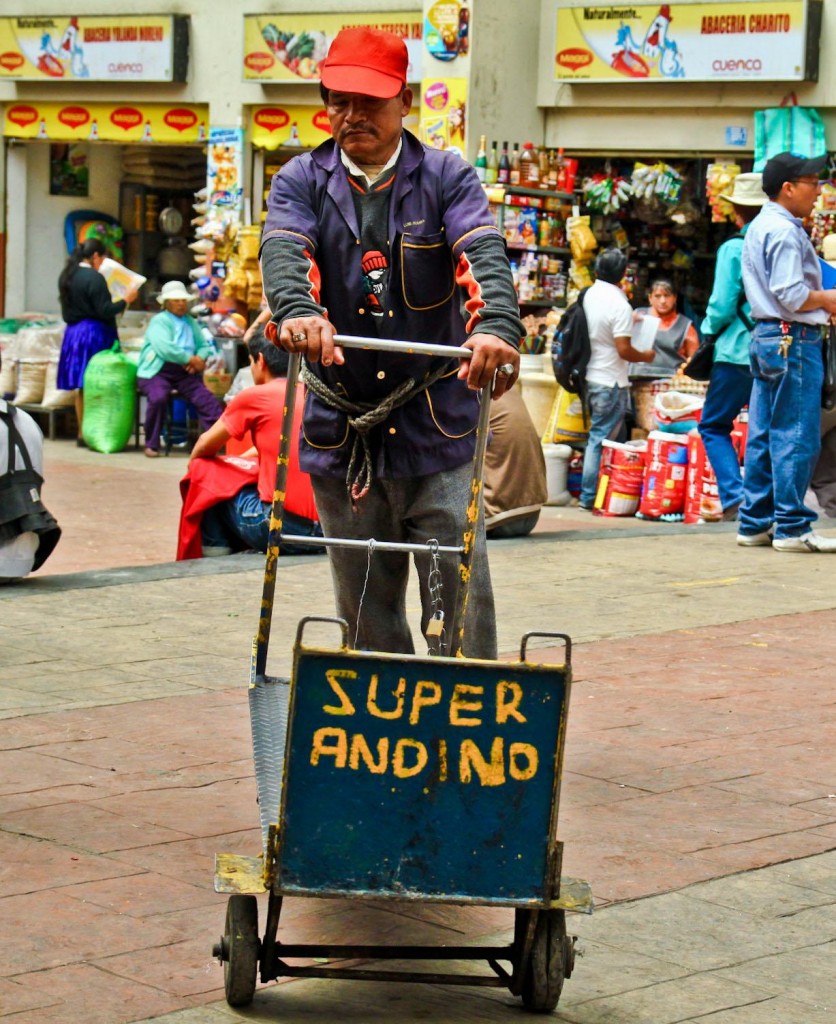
[(607, 409), (783, 442), (243, 523), (728, 392)]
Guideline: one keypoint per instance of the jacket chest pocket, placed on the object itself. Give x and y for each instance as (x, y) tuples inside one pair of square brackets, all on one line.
[(427, 274)]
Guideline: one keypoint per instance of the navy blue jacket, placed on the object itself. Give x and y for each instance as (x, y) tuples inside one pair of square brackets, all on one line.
[(438, 222)]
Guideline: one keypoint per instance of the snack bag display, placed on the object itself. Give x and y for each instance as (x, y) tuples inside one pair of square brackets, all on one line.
[(719, 180)]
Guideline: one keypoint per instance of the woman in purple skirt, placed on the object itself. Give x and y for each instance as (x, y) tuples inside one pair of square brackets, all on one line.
[(90, 315)]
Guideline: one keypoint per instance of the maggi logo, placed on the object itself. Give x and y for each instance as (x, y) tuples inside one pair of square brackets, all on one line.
[(574, 58)]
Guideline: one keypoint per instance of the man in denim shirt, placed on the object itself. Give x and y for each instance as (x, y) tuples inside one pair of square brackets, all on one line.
[(375, 234), (782, 278)]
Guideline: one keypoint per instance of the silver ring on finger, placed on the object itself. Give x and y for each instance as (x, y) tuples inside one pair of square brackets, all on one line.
[(300, 336), (506, 370)]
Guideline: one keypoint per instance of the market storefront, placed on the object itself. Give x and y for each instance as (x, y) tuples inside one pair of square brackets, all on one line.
[(125, 166), (658, 104)]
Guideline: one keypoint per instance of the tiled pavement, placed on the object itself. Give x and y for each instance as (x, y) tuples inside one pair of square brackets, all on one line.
[(699, 791)]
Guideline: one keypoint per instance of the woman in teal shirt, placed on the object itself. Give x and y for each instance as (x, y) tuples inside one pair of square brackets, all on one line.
[(727, 320), (173, 356)]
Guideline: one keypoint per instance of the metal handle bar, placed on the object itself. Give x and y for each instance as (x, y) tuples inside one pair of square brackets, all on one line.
[(418, 348), (378, 545), (262, 638)]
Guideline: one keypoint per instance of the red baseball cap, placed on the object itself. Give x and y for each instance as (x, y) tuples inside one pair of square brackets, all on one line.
[(367, 61)]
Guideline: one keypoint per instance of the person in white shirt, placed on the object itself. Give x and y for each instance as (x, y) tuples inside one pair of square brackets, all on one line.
[(609, 319)]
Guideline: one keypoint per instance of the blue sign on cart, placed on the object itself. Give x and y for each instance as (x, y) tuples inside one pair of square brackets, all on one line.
[(421, 777)]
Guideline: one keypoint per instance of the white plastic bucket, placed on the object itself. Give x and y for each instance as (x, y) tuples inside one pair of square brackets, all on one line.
[(557, 471)]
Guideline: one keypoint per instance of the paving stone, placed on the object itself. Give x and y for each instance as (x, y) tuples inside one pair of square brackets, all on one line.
[(693, 933), (804, 975), (86, 993), (764, 894), (775, 1011), (90, 829), (28, 867), (207, 811), (16, 996), (78, 932), (143, 894), (667, 1002)]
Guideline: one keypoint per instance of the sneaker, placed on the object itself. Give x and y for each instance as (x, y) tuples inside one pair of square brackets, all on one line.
[(755, 540), (806, 542), (216, 552)]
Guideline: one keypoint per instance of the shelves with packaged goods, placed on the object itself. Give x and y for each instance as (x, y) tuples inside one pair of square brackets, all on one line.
[(543, 303), (550, 250), (520, 190)]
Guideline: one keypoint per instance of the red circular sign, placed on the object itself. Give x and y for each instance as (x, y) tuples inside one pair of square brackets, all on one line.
[(271, 118), (74, 117), (259, 61), (320, 120), (11, 60), (126, 118), (574, 58), (180, 119), (22, 116)]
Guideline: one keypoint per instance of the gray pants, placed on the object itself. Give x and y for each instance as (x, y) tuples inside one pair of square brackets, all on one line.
[(411, 511)]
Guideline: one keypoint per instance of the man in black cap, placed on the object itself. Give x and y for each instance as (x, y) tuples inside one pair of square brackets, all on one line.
[(782, 278)]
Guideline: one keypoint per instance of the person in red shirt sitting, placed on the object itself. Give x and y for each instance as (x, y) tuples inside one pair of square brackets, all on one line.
[(241, 521)]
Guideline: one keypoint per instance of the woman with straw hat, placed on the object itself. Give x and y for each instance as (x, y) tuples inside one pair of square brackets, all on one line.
[(173, 356), (727, 320)]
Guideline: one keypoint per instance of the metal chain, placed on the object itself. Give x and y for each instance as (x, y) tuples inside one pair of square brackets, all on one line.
[(435, 584), (363, 593)]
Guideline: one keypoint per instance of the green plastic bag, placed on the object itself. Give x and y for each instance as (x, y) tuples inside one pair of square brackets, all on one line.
[(792, 129), (109, 401)]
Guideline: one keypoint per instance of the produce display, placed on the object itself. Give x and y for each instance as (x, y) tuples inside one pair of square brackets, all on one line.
[(300, 52)]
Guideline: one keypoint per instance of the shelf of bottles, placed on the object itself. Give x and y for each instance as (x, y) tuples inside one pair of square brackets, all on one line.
[(530, 211)]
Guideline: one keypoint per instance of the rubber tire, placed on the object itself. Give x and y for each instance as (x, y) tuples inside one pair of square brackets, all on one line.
[(545, 971), (241, 934)]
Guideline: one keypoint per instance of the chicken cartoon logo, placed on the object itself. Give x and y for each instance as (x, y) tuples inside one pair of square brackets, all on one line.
[(657, 48)]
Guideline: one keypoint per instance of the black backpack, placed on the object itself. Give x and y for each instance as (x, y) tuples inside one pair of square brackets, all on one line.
[(21, 509), (571, 350)]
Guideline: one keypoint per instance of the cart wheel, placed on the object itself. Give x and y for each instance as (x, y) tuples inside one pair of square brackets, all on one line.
[(551, 961), (242, 950)]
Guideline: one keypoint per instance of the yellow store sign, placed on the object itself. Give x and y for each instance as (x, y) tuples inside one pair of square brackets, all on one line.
[(136, 48), (277, 126), (762, 40), (290, 47), (106, 122)]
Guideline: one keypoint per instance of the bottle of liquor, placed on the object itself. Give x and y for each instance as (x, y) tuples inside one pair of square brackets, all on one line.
[(503, 171), (552, 170), (544, 168), (492, 170), (514, 168), (481, 163), (561, 172)]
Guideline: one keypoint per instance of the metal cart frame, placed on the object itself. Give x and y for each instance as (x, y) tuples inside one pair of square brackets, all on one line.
[(541, 955)]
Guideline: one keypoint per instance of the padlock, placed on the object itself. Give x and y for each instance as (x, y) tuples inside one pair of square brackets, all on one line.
[(435, 627)]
